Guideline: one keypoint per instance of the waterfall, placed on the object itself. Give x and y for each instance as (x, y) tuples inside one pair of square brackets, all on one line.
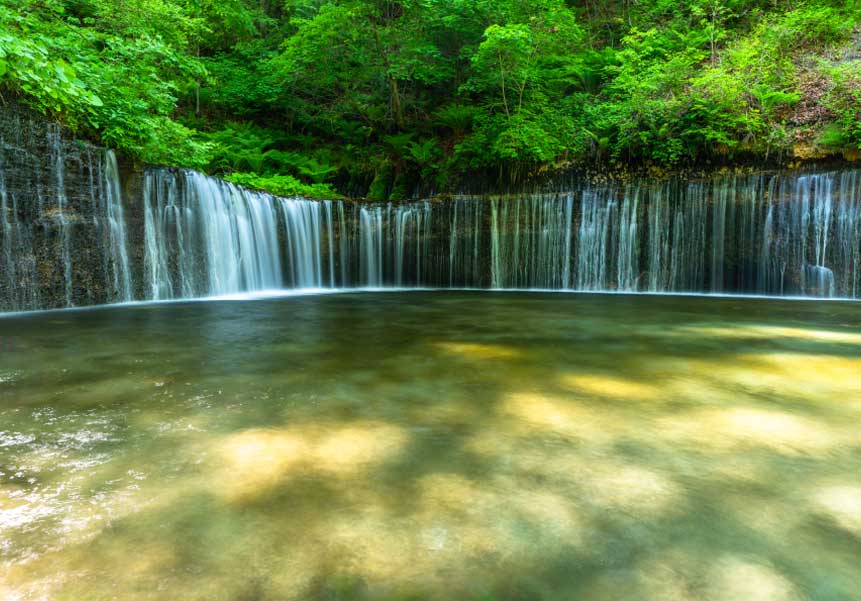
[(848, 238), (688, 241), (204, 237), (60, 215), (531, 241), (304, 221), (63, 229), (410, 238), (330, 240), (593, 239), (783, 234), (69, 235), (371, 247), (723, 188), (345, 247), (402, 219), (466, 243), (20, 290), (111, 221), (661, 262), (626, 278), (823, 277), (159, 193)]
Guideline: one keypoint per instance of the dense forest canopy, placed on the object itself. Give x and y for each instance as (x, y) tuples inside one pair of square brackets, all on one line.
[(370, 97)]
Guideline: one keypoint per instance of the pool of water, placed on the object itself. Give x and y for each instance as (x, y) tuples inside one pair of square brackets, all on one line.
[(433, 445)]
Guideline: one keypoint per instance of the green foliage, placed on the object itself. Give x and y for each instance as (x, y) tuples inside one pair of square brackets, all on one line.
[(519, 69), (114, 74), (716, 79), (27, 64), (374, 96), (282, 185), (844, 102)]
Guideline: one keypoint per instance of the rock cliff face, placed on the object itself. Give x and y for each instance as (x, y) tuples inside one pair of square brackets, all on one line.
[(65, 222), (78, 228)]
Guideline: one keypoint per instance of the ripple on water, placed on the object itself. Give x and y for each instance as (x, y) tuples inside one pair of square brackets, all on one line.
[(11, 439), (9, 376)]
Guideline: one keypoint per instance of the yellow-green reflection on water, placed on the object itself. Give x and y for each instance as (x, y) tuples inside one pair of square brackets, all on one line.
[(415, 446)]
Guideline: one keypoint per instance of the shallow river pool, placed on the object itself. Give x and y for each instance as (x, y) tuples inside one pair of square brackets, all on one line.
[(433, 445)]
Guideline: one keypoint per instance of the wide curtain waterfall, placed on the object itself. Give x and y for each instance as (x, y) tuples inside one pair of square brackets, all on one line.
[(782, 234), (61, 245)]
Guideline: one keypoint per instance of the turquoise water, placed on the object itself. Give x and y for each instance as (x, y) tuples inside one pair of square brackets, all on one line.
[(433, 445)]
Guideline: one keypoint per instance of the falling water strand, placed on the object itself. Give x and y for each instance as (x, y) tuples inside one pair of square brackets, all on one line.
[(115, 242), (61, 213), (371, 247)]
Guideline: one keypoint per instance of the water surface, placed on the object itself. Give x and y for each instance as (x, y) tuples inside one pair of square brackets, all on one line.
[(433, 445)]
